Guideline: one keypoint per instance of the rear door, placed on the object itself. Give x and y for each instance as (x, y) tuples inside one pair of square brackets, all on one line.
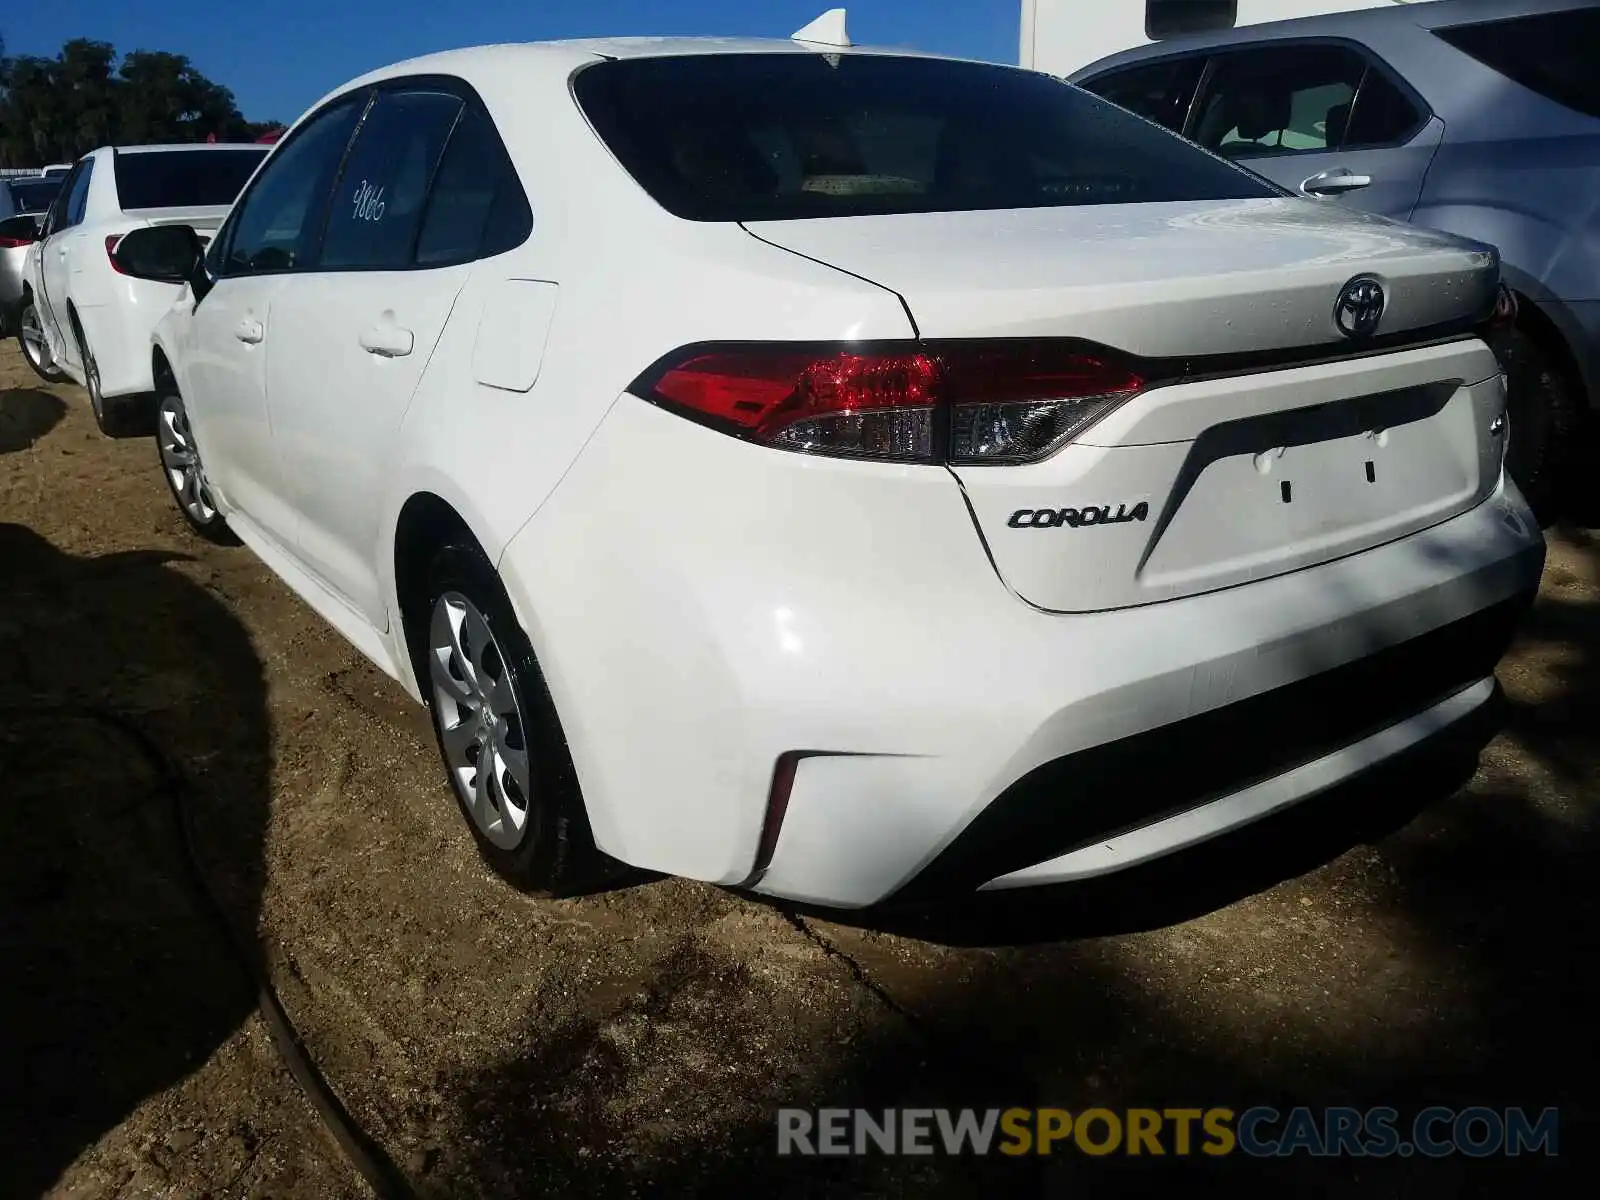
[(1323, 119), (352, 337), (63, 243)]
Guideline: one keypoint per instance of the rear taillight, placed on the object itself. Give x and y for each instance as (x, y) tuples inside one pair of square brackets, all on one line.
[(111, 252), (11, 243), (1008, 401)]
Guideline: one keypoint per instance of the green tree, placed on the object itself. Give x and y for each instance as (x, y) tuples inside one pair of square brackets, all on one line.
[(55, 109)]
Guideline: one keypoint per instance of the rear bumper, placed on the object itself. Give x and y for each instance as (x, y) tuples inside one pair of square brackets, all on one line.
[(1138, 798), (948, 735)]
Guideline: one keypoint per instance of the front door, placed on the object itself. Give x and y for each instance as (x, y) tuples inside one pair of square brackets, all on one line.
[(363, 324), (257, 258), (226, 398)]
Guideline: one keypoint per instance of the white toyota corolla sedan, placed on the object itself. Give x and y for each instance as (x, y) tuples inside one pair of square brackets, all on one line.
[(846, 475)]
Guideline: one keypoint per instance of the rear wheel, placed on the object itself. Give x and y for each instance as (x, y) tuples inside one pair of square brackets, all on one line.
[(1543, 418), (31, 340), (504, 753), (184, 473)]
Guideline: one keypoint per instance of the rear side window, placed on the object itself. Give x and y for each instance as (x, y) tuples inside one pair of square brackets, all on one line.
[(477, 207), (184, 178), (736, 137), (1555, 54), (1383, 114), (1160, 91), (377, 207)]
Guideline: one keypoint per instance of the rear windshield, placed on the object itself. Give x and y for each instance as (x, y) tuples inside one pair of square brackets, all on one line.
[(180, 178), (1555, 54), (33, 195), (750, 137)]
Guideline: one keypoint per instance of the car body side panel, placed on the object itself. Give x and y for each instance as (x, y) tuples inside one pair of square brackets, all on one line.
[(634, 283)]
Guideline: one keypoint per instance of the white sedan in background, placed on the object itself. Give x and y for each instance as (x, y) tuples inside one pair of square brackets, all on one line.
[(82, 319), (844, 474)]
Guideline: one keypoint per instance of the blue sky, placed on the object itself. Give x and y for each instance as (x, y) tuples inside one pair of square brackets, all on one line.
[(278, 57)]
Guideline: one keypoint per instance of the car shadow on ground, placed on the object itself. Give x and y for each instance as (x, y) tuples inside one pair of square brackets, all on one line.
[(26, 415), (1461, 926), (116, 983)]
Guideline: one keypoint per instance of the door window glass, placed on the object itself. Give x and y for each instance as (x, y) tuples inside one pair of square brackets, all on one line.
[(78, 197), (55, 219), (477, 207), (1160, 91), (377, 207), (274, 227), (1383, 114), (1281, 99)]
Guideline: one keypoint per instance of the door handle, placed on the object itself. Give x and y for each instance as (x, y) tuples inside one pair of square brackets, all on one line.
[(249, 331), (1334, 183), (388, 341)]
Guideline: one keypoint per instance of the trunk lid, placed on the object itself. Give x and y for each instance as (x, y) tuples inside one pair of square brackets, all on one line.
[(204, 219), (1161, 280), (1218, 473)]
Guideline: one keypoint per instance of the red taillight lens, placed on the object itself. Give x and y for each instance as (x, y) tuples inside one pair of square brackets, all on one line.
[(111, 250), (848, 403), (11, 243), (959, 402)]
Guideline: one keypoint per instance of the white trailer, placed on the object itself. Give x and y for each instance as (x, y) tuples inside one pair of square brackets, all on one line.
[(1059, 36)]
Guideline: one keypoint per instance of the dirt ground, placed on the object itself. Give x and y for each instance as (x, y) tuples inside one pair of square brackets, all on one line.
[(1408, 947)]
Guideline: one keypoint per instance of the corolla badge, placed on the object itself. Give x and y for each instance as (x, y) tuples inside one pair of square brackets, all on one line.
[(1359, 307)]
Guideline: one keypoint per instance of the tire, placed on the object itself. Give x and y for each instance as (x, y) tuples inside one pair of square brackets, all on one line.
[(185, 475), (116, 416), (527, 815), (30, 340), (1543, 421)]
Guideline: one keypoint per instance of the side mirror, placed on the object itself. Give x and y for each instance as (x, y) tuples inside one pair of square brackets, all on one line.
[(19, 231), (165, 254)]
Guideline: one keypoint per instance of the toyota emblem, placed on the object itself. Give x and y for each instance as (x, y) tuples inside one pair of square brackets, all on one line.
[(1359, 307)]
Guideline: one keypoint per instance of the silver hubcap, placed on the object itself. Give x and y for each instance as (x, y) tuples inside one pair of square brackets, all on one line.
[(181, 461), (91, 375), (480, 723), (33, 343)]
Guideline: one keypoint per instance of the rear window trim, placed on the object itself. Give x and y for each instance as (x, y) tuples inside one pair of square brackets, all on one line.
[(583, 114)]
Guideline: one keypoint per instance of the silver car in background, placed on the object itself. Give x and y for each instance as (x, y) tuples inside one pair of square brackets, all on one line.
[(23, 203), (1479, 117)]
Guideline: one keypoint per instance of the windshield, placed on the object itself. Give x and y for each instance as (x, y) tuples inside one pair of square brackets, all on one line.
[(748, 137), (33, 195), (184, 178)]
